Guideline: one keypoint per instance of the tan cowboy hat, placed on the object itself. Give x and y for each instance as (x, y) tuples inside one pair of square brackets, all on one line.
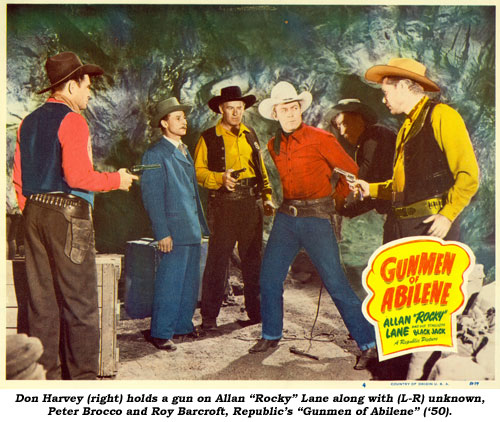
[(165, 107), (283, 92), (230, 93), (352, 105), (404, 68), (62, 66)]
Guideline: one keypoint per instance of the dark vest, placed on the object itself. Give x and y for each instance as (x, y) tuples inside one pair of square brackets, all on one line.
[(427, 173), (216, 153), (41, 158)]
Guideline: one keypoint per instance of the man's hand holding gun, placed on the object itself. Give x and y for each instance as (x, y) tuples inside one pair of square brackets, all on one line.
[(360, 188), (127, 176), (230, 178)]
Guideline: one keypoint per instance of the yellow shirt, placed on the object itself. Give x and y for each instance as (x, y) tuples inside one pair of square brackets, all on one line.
[(452, 137), (238, 155)]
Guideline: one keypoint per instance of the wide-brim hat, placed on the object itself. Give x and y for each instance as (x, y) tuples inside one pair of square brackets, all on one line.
[(283, 92), (62, 66), (351, 105), (230, 93), (404, 68), (168, 106)]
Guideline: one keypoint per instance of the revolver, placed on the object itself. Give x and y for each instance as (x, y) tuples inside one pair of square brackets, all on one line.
[(139, 168), (235, 174), (351, 178)]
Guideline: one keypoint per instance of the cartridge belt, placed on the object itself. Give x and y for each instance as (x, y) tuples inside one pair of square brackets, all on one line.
[(245, 188), (419, 209), (320, 207), (65, 203), (248, 182)]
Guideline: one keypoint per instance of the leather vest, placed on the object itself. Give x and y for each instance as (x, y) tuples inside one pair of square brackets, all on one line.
[(427, 173), (41, 156), (216, 153)]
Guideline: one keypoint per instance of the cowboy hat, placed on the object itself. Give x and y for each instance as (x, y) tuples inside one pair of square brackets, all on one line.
[(404, 68), (62, 66), (230, 93), (283, 92), (165, 107), (352, 105)]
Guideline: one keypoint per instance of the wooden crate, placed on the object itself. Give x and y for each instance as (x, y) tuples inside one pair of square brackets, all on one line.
[(108, 275)]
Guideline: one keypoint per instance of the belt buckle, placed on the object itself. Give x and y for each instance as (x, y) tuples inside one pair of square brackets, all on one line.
[(293, 210)]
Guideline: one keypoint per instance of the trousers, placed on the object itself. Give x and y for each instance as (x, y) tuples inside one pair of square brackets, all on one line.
[(177, 283), (316, 236), (233, 220), (62, 283), (397, 228)]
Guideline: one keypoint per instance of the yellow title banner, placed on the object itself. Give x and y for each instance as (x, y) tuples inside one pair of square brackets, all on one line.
[(416, 287)]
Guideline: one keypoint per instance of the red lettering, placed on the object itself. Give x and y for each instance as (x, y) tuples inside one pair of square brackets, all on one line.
[(387, 300), (425, 293), (413, 265), (446, 294), (401, 269), (439, 263), (387, 274), (410, 296), (426, 263), (449, 259), (400, 298), (437, 288)]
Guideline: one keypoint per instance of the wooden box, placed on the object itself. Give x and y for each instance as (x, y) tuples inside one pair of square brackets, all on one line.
[(108, 276)]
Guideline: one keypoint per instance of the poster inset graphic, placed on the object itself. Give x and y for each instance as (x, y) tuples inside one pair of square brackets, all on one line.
[(416, 287)]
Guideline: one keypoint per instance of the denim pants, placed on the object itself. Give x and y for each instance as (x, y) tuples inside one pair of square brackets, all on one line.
[(176, 291), (316, 236)]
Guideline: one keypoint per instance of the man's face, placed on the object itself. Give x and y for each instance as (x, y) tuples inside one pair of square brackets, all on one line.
[(80, 92), (393, 96), (350, 126), (175, 124), (289, 115), (232, 113)]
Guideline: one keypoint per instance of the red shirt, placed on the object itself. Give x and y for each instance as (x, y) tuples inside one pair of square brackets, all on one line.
[(306, 161), (77, 164)]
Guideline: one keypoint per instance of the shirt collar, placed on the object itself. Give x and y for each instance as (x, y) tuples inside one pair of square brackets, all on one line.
[(417, 108), (173, 141), (61, 99), (295, 134)]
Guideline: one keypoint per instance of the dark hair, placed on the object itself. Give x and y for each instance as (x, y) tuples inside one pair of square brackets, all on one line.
[(78, 77)]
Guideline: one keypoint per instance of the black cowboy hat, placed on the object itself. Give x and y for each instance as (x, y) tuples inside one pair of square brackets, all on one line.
[(231, 93), (352, 105), (62, 66)]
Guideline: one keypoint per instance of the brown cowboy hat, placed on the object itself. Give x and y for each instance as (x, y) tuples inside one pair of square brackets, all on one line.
[(168, 106), (352, 105), (230, 93), (63, 65), (404, 68)]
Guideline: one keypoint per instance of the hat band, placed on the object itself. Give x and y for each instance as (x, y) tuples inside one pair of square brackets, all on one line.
[(53, 84)]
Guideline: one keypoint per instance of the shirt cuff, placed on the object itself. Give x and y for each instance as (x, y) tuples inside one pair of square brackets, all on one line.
[(218, 178), (449, 212), (373, 189)]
